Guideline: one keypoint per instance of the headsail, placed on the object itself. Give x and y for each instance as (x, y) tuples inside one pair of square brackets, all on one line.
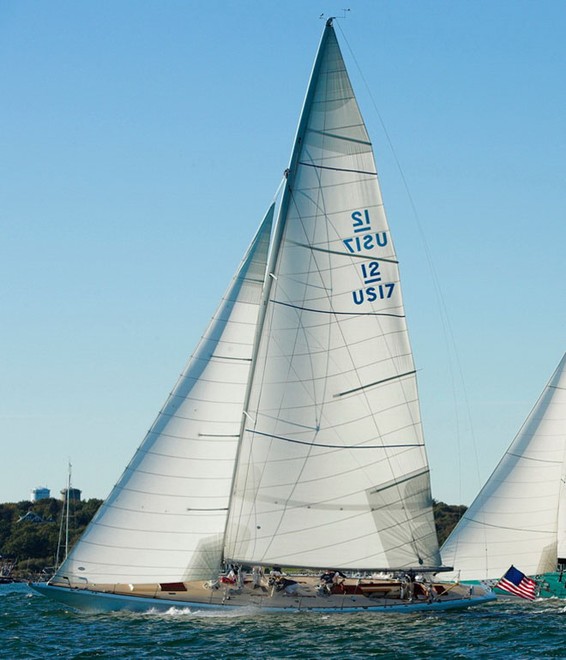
[(519, 515), (164, 520), (332, 469)]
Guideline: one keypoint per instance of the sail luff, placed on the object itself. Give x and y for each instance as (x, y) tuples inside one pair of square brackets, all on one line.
[(301, 128)]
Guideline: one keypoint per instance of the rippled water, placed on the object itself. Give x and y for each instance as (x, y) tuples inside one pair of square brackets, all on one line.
[(32, 626)]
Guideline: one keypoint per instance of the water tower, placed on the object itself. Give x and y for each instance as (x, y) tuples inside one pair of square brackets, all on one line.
[(74, 494), (41, 493)]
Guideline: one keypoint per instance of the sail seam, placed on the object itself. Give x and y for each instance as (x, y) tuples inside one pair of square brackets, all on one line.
[(513, 529), (197, 399), (132, 547), (332, 311), (173, 495), (145, 513), (535, 460), (320, 444), (175, 415), (172, 477), (336, 169), (397, 482), (377, 382), (177, 437)]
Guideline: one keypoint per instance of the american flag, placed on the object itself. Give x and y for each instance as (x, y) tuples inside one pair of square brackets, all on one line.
[(518, 583)]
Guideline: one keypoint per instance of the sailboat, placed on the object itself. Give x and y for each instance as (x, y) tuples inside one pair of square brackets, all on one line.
[(287, 469), (518, 518)]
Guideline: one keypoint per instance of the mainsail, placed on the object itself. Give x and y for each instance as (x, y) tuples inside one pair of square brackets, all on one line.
[(519, 517), (331, 468), (164, 520)]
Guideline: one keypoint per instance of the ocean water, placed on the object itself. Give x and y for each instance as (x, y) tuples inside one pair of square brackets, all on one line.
[(32, 626)]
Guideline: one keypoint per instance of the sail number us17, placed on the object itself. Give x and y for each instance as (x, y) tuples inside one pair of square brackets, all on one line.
[(366, 239)]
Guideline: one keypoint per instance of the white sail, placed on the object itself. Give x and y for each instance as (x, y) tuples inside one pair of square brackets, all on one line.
[(332, 469), (164, 520), (518, 516)]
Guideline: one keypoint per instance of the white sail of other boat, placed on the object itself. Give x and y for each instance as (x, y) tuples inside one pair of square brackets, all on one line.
[(519, 516), (294, 437)]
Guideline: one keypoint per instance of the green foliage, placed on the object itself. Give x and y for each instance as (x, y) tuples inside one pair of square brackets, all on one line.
[(34, 544), (445, 517), (31, 540)]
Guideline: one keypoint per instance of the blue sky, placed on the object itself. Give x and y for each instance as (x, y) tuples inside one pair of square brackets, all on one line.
[(141, 142)]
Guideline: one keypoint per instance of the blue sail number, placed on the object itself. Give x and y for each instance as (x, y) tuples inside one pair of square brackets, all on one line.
[(373, 293)]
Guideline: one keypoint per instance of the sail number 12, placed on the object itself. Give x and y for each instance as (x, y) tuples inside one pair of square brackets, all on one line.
[(366, 239)]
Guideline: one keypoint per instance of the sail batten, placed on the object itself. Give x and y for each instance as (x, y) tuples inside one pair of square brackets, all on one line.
[(334, 311), (338, 169), (314, 248), (377, 382), (327, 446), (346, 138)]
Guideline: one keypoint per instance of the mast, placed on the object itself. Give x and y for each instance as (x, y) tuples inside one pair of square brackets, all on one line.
[(64, 522), (68, 503)]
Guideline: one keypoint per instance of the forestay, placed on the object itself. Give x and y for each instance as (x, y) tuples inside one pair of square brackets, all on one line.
[(332, 469), (164, 521), (519, 515)]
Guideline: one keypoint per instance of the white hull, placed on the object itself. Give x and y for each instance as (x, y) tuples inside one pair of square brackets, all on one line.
[(93, 601)]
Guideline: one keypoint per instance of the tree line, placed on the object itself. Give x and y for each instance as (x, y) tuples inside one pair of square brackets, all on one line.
[(31, 533)]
